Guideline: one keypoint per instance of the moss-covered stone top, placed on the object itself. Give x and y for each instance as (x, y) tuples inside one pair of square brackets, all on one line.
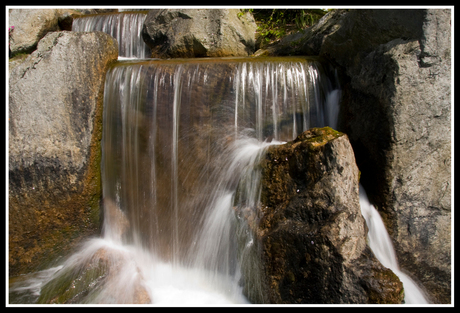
[(317, 137), (289, 169)]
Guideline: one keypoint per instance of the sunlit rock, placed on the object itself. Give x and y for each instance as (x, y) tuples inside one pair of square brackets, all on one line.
[(55, 119), (179, 33)]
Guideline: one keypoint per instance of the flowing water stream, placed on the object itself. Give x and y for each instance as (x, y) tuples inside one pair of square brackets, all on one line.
[(380, 243), (125, 27), (179, 136), (180, 140)]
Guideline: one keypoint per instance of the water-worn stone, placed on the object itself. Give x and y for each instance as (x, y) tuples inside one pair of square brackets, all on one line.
[(311, 232), (396, 110), (180, 33), (95, 278), (55, 118)]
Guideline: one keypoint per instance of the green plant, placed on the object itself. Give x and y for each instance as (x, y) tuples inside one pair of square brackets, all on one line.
[(273, 24)]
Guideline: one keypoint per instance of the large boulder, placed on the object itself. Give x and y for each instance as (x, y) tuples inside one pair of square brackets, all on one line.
[(409, 152), (396, 110), (310, 230), (55, 120), (180, 33), (398, 117)]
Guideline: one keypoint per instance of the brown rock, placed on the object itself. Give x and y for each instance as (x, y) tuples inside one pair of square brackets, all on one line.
[(311, 231)]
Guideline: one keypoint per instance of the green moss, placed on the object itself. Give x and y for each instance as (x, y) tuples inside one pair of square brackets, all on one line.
[(72, 283), (319, 135), (283, 168), (19, 56)]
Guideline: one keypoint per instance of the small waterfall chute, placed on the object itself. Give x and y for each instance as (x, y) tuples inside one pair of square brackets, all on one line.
[(382, 247), (125, 27)]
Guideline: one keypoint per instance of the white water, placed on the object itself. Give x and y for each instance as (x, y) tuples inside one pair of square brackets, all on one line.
[(380, 243), (191, 250), (126, 28), (170, 283), (178, 139), (291, 96)]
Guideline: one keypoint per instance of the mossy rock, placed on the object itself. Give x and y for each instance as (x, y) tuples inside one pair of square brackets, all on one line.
[(74, 284), (292, 164)]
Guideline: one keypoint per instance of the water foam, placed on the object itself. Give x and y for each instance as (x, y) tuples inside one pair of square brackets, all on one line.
[(382, 246)]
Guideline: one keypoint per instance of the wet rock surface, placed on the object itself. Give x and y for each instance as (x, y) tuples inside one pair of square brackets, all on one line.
[(93, 279), (310, 228)]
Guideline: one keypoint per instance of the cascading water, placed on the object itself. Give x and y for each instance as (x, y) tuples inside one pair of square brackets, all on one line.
[(179, 137), (125, 27), (180, 142), (380, 243)]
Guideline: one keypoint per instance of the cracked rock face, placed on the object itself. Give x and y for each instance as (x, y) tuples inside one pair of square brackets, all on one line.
[(55, 117), (402, 95)]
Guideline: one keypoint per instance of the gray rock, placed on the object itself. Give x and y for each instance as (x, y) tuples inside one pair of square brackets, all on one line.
[(396, 112), (177, 33), (55, 118), (311, 232), (400, 101), (30, 25)]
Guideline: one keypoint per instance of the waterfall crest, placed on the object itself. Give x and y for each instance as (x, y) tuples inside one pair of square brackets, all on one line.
[(125, 27)]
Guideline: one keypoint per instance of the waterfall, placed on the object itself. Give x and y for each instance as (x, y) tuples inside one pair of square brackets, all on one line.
[(380, 243), (179, 138), (125, 27), (180, 144)]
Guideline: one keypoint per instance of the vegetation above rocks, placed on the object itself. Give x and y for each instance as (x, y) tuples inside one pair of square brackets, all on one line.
[(272, 24)]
